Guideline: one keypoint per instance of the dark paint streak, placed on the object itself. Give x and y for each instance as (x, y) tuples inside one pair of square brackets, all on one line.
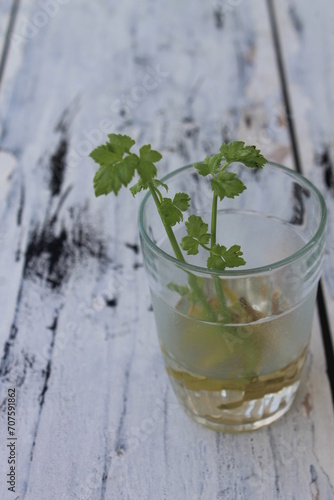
[(314, 483), (104, 480), (28, 362), (51, 257), (192, 131), (47, 256), (5, 363), (21, 207), (218, 16), (324, 160), (62, 199), (181, 149), (284, 86), (329, 178), (58, 166), (6, 360), (120, 443), (195, 176), (3, 406), (47, 371), (298, 209), (54, 325), (138, 265), (133, 246), (295, 19), (248, 120), (67, 116), (274, 454), (41, 397), (120, 450), (111, 302), (88, 243), (120, 446)]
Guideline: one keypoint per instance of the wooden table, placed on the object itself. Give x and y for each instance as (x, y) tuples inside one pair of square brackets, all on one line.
[(95, 415)]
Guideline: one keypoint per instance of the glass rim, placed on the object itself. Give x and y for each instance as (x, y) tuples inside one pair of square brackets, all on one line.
[(239, 272)]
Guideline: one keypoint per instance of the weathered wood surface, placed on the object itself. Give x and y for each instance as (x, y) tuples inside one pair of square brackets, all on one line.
[(307, 45), (96, 415)]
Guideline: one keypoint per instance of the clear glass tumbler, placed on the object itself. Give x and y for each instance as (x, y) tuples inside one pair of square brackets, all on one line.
[(235, 342)]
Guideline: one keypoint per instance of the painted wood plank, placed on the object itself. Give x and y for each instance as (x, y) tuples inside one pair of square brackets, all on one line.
[(307, 40), (97, 417)]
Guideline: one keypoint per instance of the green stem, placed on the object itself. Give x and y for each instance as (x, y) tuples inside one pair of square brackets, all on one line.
[(158, 193), (169, 230), (222, 300), (178, 254), (216, 279), (214, 220), (214, 214)]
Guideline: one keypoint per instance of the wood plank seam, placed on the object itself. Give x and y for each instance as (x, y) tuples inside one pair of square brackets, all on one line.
[(11, 24)]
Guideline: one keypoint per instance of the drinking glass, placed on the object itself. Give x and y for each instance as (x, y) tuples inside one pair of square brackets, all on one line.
[(234, 342)]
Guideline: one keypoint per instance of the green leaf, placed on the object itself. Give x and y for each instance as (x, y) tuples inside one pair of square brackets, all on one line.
[(197, 235), (126, 169), (106, 180), (111, 177), (202, 168), (190, 245), (159, 183), (120, 144), (170, 214), (136, 188), (196, 227), (146, 168), (114, 171), (171, 210), (215, 163), (147, 171), (220, 257), (238, 152), (181, 201), (146, 153), (233, 257), (104, 156), (227, 185), (210, 165)]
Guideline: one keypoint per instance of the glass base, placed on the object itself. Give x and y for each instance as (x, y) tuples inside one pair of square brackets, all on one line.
[(207, 407)]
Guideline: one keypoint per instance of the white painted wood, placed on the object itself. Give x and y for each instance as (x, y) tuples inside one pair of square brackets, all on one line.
[(105, 423), (307, 40)]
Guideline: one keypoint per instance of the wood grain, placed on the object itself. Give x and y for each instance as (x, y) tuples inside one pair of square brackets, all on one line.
[(96, 415)]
